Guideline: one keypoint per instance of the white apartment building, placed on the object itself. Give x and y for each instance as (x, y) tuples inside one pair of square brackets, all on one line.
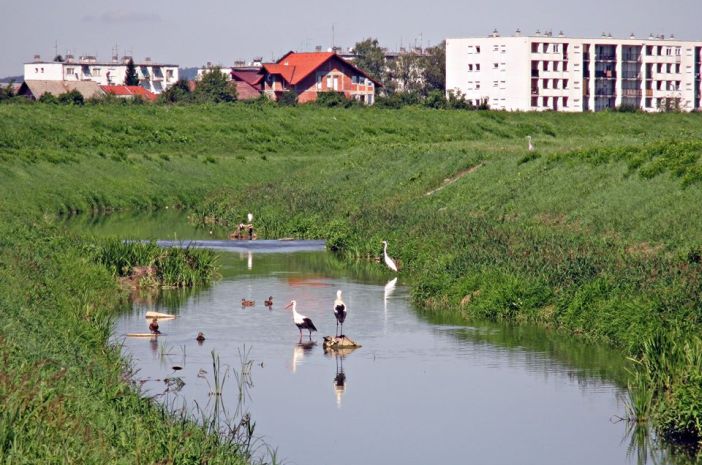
[(155, 77), (543, 72)]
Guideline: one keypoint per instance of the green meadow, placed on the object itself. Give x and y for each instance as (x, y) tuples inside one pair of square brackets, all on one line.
[(596, 233)]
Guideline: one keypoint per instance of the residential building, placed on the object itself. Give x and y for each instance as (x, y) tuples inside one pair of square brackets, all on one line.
[(154, 77), (34, 89), (543, 72), (311, 73), (130, 92)]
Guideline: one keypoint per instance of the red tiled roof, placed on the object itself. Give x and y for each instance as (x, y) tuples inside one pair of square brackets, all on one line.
[(251, 77), (294, 67), (126, 91)]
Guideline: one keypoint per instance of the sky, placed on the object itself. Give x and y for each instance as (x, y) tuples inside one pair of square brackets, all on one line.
[(193, 33)]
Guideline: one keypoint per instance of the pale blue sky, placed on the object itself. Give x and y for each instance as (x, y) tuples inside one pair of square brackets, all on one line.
[(222, 31)]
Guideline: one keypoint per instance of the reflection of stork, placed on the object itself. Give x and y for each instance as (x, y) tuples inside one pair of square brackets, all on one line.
[(299, 352), (339, 379), (388, 261), (339, 312), (249, 263), (301, 321)]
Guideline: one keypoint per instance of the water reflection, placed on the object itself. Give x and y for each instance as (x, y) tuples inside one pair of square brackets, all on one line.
[(339, 383), (300, 350)]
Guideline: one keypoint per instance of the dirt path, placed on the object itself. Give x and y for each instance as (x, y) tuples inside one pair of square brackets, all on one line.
[(449, 181)]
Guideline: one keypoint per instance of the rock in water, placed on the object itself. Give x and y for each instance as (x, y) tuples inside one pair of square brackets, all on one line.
[(339, 342)]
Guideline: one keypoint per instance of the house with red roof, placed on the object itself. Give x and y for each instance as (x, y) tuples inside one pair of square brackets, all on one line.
[(130, 92), (310, 73)]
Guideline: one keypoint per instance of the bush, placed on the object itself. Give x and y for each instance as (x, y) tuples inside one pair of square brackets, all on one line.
[(214, 88), (334, 99), (177, 93), (47, 97), (71, 98), (288, 98)]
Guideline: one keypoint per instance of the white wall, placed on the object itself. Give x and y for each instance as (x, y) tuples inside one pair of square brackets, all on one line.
[(507, 61)]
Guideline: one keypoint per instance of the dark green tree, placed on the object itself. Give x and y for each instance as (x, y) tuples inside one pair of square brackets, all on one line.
[(7, 92), (434, 68), (131, 78), (177, 93), (71, 98), (371, 58), (213, 87), (46, 97)]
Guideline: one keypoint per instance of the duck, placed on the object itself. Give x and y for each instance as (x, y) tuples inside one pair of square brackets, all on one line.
[(247, 303), (268, 302), (200, 337)]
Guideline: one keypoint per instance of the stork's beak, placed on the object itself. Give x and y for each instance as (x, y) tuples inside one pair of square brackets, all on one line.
[(288, 305)]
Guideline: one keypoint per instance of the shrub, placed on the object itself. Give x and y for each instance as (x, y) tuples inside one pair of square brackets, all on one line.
[(288, 98), (71, 98)]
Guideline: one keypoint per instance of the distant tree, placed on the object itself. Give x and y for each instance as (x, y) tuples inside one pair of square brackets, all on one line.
[(178, 92), (58, 58), (71, 98), (434, 68), (370, 58), (288, 98), (213, 87), (7, 92), (405, 74), (131, 78)]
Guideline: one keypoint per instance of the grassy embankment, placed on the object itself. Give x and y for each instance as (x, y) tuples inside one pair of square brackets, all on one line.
[(595, 234)]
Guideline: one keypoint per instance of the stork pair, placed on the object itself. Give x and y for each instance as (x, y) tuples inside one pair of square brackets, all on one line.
[(303, 322)]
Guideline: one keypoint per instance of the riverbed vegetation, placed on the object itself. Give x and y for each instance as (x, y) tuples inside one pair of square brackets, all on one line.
[(595, 233)]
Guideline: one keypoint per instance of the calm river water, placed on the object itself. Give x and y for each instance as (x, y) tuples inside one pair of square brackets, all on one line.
[(417, 392)]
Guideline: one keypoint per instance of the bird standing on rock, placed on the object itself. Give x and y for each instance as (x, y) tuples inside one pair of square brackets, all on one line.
[(388, 261), (339, 313), (301, 321)]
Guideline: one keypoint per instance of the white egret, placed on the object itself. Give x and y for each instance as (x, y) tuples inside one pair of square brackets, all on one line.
[(531, 146), (388, 261)]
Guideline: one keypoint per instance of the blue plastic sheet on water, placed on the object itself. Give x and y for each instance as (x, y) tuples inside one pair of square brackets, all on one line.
[(260, 246)]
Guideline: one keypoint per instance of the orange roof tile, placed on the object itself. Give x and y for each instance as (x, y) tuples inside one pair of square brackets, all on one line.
[(130, 91)]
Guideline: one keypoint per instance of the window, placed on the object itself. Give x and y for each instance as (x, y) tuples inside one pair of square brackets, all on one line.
[(546, 82), (565, 83), (470, 85), (669, 68), (494, 84), (477, 85), (477, 66), (668, 51), (677, 68), (329, 81), (494, 66), (503, 66), (42, 70), (69, 70), (477, 49), (555, 66), (169, 73), (470, 67), (556, 48), (495, 48), (96, 71)]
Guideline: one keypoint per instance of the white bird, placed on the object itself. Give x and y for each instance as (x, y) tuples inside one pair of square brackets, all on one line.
[(531, 146), (250, 217), (388, 261), (339, 312), (301, 321)]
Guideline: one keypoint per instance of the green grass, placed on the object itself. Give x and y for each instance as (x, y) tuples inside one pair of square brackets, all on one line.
[(596, 234)]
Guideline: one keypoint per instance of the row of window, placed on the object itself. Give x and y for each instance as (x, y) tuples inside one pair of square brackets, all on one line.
[(553, 103)]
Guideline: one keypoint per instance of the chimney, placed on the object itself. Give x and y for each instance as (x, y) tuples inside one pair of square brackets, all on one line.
[(37, 58), (538, 33), (115, 58), (632, 36), (318, 48), (147, 59), (518, 32), (560, 34)]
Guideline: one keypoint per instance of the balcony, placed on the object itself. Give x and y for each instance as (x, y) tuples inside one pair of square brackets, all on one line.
[(631, 93)]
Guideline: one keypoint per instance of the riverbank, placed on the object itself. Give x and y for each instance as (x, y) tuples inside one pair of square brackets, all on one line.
[(594, 233)]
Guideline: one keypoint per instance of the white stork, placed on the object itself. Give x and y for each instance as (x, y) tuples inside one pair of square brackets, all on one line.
[(301, 321), (388, 261), (531, 146), (250, 217), (339, 312)]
